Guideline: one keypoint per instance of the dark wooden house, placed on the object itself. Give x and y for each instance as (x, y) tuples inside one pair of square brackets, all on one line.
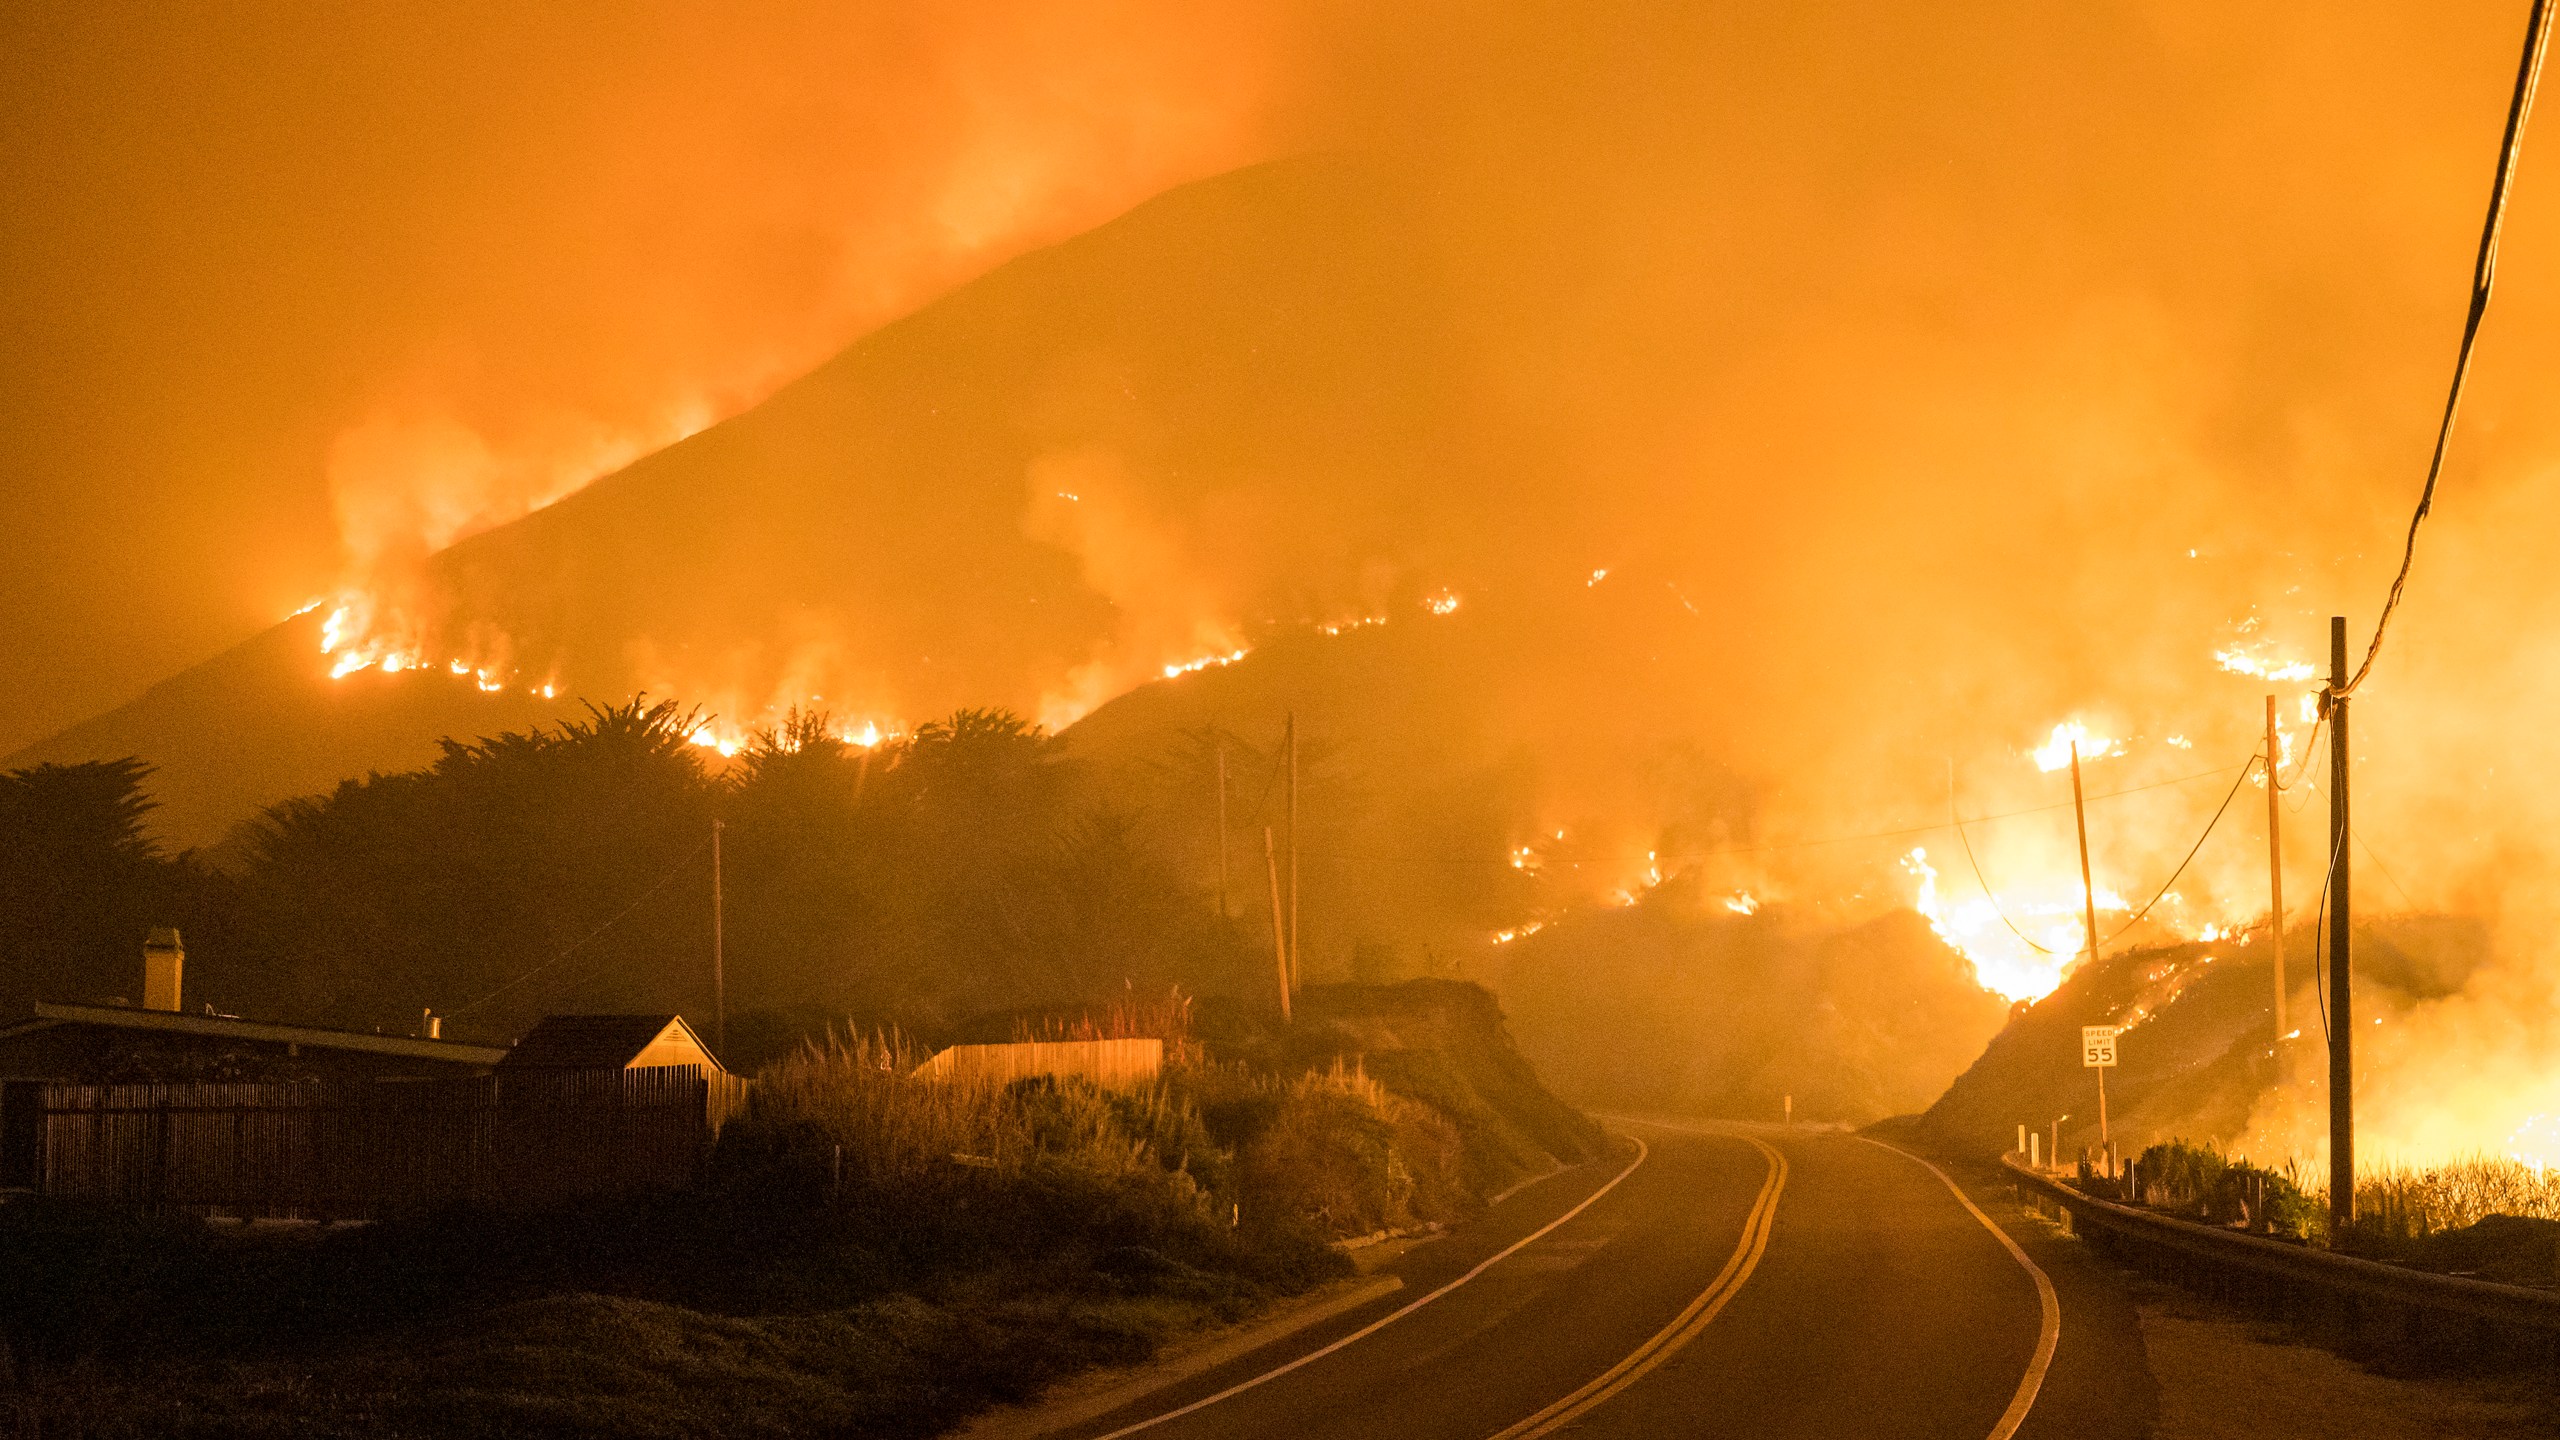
[(610, 1042)]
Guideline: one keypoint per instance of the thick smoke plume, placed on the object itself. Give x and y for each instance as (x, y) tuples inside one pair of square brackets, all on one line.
[(299, 299), (1852, 397)]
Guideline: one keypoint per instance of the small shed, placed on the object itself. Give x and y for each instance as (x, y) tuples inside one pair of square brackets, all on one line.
[(610, 1042)]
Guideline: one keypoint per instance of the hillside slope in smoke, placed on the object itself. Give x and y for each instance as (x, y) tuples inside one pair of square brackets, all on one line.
[(2197, 1056), (951, 512), (1678, 1003), (1426, 832)]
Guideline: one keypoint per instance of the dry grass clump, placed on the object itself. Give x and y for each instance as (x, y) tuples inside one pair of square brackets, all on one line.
[(1326, 1153), (2201, 1183), (1332, 1148), (2410, 1203), (851, 1120), (1166, 1018)]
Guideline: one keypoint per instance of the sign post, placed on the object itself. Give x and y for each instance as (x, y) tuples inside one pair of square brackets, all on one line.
[(2097, 1052)]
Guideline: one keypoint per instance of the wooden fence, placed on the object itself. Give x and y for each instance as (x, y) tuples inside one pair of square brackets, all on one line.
[(1111, 1064), (364, 1150)]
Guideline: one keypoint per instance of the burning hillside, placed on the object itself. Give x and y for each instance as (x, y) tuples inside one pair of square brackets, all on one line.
[(1788, 502)]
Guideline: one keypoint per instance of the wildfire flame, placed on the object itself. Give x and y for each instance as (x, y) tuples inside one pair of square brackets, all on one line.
[(2052, 916), (1176, 672), (2055, 753), (2239, 661)]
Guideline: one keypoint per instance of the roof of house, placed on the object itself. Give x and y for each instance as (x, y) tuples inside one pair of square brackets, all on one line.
[(595, 1041), (225, 1027)]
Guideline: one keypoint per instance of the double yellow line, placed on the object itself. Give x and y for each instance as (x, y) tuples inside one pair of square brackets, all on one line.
[(1684, 1327)]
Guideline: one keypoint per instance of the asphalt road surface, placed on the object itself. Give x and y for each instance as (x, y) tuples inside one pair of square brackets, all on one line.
[(1698, 1280)]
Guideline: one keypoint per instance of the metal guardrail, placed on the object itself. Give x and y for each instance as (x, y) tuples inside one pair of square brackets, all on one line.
[(2366, 1291)]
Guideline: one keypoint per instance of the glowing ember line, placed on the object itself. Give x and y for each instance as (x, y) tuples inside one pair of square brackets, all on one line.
[(2241, 662), (1174, 672)]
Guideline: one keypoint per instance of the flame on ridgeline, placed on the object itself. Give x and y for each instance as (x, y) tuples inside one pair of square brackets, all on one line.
[(2055, 753)]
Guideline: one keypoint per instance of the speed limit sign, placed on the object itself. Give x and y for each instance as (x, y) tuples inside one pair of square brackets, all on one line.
[(2097, 1046)]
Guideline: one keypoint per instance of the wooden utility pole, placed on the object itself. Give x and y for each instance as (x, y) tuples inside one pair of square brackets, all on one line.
[(2088, 886), (1292, 737), (2342, 1011), (1222, 825), (2275, 862), (1279, 934), (719, 976)]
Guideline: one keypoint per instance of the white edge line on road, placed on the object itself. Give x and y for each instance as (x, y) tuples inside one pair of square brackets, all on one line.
[(1374, 1326), (2048, 1332), (1684, 1327)]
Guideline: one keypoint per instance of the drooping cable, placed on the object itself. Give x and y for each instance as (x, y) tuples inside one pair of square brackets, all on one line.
[(2320, 943), (2484, 273), (2192, 852), (1988, 893)]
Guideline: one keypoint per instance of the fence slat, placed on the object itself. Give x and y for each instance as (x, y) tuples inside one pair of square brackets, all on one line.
[(367, 1150)]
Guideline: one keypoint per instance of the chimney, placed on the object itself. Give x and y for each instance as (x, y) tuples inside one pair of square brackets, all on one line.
[(164, 959)]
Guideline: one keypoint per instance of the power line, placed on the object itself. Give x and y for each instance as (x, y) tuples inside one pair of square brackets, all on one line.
[(2192, 851), (1956, 818), (2483, 274), (2387, 869), (2319, 939), (583, 941)]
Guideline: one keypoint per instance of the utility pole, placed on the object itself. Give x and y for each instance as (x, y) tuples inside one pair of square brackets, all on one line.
[(2088, 887), (1222, 824), (1279, 934), (2342, 1013), (1292, 737), (719, 976), (2275, 863)]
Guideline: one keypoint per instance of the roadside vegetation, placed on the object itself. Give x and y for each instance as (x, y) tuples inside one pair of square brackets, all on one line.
[(873, 1253), (2481, 1216), (913, 883)]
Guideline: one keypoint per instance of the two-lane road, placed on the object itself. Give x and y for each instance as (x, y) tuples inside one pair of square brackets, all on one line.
[(1701, 1280)]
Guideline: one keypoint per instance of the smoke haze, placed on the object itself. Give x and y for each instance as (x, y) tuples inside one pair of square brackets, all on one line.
[(1921, 377), (296, 296)]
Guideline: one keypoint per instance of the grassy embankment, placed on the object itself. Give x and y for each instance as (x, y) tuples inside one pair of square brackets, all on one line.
[(873, 1254), (2494, 1218)]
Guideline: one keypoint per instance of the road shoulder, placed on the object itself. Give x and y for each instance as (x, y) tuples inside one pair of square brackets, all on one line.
[(1103, 1391), (2211, 1372), (2101, 1386), (2228, 1376)]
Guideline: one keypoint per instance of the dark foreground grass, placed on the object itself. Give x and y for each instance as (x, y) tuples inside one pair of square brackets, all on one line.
[(668, 1316), (871, 1254), (586, 1365)]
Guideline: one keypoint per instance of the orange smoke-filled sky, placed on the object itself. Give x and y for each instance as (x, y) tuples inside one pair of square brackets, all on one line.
[(286, 287), (1993, 310)]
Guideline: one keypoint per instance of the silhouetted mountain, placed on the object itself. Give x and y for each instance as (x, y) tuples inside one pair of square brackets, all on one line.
[(862, 534)]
